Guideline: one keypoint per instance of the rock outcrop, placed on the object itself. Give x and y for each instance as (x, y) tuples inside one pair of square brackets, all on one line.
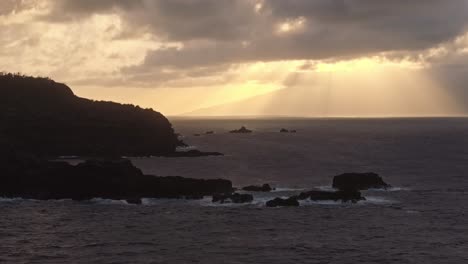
[(263, 188), (242, 130), (359, 181), (29, 177), (42, 117)]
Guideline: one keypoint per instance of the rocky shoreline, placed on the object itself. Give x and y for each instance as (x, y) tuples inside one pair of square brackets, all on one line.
[(29, 177)]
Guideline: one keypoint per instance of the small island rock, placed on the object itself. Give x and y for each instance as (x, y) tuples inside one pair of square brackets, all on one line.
[(359, 181), (263, 188), (241, 130)]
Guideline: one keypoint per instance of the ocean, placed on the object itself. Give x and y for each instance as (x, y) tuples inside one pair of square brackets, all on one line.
[(423, 218)]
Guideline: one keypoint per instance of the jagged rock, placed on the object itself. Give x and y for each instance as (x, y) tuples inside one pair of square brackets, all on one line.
[(253, 188), (284, 130), (292, 201), (359, 181), (28, 177), (344, 196), (241, 130), (232, 198)]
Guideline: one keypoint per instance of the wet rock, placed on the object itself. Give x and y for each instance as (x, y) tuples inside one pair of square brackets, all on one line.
[(359, 181), (232, 198), (263, 188), (292, 201), (28, 177), (241, 130)]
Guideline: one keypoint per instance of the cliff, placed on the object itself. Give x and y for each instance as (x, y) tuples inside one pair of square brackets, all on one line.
[(43, 117)]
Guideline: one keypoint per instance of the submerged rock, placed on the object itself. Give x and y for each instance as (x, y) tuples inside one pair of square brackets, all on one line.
[(292, 201), (345, 196), (359, 181), (232, 198), (241, 130), (263, 188)]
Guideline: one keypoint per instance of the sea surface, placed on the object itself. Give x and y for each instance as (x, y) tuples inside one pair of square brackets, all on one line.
[(422, 219)]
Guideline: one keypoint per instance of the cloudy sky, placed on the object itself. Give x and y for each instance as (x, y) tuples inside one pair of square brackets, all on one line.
[(330, 57)]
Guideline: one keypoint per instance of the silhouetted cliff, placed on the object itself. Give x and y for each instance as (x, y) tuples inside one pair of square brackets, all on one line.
[(40, 116)]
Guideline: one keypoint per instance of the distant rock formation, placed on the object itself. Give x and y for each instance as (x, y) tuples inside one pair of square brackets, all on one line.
[(40, 116), (359, 181), (284, 130), (277, 202), (29, 177), (232, 198), (253, 188), (241, 130)]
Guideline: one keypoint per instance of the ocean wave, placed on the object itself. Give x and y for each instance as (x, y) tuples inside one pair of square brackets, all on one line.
[(280, 189), (378, 200), (186, 148), (102, 201), (325, 188), (391, 189), (9, 200)]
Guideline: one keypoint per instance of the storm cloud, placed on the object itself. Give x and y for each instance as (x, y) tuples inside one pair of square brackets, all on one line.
[(236, 31)]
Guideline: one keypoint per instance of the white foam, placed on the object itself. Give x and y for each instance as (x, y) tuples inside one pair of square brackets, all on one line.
[(280, 189), (108, 201), (391, 189), (9, 200), (378, 200), (186, 148), (326, 188)]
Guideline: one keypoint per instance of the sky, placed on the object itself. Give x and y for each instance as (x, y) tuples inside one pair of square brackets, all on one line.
[(248, 57)]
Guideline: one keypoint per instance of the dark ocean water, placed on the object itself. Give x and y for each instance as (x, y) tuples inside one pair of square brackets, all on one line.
[(423, 219)]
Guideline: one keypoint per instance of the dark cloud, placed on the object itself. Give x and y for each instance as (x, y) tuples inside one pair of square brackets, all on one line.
[(231, 31)]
